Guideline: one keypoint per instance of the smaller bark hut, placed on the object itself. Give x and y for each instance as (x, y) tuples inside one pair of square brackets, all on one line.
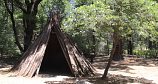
[(53, 51)]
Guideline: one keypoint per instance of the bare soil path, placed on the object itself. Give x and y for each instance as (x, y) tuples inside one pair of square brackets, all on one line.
[(131, 70)]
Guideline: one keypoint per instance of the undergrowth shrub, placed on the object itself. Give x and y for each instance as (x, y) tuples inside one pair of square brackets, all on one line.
[(146, 53)]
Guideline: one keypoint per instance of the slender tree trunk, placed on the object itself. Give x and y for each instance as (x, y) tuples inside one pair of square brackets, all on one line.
[(109, 63), (154, 45), (116, 52), (111, 55), (150, 45), (94, 46), (108, 50), (130, 45), (10, 9), (2, 51)]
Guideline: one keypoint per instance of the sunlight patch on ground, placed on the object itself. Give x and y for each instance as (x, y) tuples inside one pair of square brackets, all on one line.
[(56, 78), (5, 78), (24, 80), (18, 80), (99, 71), (150, 73), (4, 69)]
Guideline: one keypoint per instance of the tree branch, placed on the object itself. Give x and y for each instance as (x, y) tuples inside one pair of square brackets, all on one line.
[(35, 5), (27, 2), (20, 5), (5, 2), (37, 2)]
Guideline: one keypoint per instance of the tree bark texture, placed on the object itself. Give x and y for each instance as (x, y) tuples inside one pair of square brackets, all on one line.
[(117, 43)]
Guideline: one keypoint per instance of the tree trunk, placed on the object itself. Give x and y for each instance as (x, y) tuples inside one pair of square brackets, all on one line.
[(109, 63), (108, 50), (112, 54), (10, 9), (150, 45), (116, 53), (117, 43), (154, 45), (130, 47), (94, 46), (1, 51), (29, 25), (29, 19)]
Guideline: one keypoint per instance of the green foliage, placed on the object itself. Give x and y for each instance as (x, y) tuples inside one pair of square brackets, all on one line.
[(132, 17), (79, 3), (7, 46), (146, 53), (85, 20)]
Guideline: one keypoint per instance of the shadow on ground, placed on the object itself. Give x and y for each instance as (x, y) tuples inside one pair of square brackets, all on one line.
[(6, 63), (101, 61), (112, 79)]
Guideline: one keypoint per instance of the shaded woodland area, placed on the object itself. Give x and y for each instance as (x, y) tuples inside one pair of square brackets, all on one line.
[(84, 38)]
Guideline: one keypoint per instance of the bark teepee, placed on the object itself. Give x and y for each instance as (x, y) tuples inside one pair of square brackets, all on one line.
[(53, 49)]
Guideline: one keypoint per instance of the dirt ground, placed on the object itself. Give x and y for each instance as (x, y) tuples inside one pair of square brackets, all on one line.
[(133, 67), (130, 71)]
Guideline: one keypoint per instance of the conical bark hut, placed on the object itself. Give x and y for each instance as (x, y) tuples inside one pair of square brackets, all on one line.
[(51, 48)]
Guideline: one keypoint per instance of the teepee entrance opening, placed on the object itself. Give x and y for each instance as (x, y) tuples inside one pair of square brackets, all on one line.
[(54, 61)]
